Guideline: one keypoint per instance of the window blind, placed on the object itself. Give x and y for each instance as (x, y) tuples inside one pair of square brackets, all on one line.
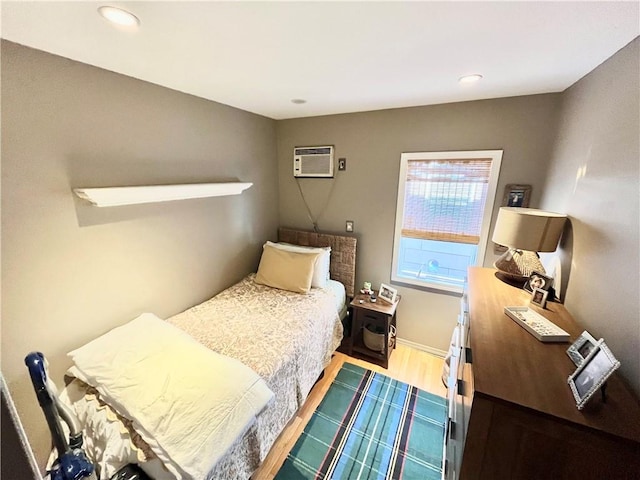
[(445, 199)]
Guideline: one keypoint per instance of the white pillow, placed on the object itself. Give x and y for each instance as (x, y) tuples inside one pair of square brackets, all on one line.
[(187, 402), (321, 265)]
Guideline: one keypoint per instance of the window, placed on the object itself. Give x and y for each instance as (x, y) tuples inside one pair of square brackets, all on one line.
[(445, 201)]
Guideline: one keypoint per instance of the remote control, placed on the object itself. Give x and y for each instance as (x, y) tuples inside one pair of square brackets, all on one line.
[(538, 326)]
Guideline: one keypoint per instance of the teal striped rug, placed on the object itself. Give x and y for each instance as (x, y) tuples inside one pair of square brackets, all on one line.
[(369, 426)]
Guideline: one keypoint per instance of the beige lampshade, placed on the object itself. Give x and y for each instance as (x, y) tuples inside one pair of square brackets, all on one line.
[(528, 229)]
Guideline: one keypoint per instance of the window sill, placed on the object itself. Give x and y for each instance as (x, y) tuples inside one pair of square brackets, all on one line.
[(456, 290)]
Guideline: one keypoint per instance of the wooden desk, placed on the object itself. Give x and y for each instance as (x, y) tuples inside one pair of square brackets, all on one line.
[(520, 416)]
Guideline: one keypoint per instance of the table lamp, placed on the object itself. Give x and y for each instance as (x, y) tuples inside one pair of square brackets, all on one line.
[(525, 231)]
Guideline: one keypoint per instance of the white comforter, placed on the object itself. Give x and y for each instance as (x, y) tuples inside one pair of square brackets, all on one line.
[(186, 401)]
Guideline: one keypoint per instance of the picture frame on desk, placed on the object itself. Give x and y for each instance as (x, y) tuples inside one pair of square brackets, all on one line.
[(581, 348), (538, 280), (592, 374), (539, 297), (387, 293)]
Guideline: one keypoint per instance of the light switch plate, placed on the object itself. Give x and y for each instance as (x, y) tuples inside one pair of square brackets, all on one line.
[(342, 164), (349, 226)]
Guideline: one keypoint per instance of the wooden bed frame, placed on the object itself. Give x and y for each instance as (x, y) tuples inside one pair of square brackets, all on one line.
[(343, 253)]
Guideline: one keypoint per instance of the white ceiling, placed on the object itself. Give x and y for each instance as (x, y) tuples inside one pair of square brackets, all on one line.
[(339, 56)]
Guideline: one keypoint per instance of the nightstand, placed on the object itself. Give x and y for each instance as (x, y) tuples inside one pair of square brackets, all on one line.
[(381, 316)]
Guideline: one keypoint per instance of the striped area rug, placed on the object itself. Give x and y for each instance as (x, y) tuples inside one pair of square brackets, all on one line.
[(369, 426)]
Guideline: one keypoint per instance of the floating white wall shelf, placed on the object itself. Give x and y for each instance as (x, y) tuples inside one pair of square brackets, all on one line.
[(117, 196)]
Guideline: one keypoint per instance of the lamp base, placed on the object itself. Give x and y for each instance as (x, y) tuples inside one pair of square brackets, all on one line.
[(517, 265)]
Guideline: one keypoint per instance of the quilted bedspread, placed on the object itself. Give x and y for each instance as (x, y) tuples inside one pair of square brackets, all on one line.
[(287, 338)]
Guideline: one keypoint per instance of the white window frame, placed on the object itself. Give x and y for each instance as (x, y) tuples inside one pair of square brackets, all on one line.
[(496, 161)]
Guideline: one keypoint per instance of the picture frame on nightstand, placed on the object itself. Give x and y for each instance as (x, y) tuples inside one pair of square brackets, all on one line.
[(387, 293)]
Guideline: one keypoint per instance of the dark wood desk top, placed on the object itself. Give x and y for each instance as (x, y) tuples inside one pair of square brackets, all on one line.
[(511, 365)]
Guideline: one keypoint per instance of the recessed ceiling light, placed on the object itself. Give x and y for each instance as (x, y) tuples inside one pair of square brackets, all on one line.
[(298, 101), (470, 78), (119, 16)]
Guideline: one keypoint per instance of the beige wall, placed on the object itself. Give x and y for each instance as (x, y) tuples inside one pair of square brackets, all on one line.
[(372, 142), (70, 272), (594, 178)]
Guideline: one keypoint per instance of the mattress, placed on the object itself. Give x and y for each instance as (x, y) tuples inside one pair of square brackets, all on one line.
[(287, 338)]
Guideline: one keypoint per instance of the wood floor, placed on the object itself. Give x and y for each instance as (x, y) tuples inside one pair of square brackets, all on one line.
[(406, 364)]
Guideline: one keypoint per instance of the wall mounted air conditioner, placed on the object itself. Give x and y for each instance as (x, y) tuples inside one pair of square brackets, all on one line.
[(313, 162)]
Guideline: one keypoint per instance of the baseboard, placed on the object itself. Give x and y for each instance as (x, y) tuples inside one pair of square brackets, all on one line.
[(424, 348)]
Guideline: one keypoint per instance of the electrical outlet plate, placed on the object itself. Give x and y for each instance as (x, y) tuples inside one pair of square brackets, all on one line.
[(349, 226)]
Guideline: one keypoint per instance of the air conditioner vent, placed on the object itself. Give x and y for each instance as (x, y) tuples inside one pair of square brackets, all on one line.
[(313, 162)]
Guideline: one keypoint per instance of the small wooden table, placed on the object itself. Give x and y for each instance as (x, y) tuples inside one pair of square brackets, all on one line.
[(379, 314)]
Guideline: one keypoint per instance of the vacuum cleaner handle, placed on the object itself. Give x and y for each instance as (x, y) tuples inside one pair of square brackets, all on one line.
[(35, 362), (72, 463)]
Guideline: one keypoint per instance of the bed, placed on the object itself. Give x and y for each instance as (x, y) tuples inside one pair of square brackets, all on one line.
[(285, 337)]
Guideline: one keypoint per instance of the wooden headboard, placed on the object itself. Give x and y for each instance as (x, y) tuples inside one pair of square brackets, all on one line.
[(343, 253)]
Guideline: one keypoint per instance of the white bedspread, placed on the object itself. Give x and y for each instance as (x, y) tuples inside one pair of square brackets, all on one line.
[(187, 402)]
